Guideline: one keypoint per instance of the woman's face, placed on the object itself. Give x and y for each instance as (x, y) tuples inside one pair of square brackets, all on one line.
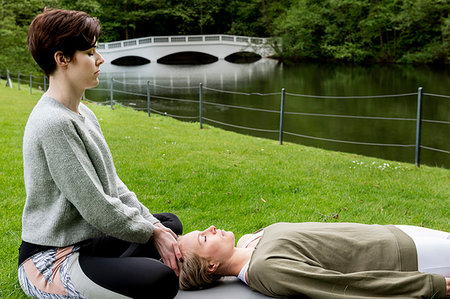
[(212, 244), (84, 68)]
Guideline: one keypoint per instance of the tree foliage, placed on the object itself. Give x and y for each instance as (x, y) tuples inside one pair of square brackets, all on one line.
[(15, 17), (393, 31)]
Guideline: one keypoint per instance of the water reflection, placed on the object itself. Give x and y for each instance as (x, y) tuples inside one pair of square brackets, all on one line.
[(268, 76), (220, 74)]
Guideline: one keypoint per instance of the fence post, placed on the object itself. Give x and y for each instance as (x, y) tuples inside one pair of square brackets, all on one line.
[(31, 84), (18, 80), (418, 125), (148, 98), (112, 93), (45, 83), (200, 100), (8, 79), (283, 93)]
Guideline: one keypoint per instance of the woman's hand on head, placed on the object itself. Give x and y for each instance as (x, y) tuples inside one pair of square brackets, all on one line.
[(166, 243)]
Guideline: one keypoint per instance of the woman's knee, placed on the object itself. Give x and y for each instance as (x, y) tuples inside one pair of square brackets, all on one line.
[(136, 277), (161, 282)]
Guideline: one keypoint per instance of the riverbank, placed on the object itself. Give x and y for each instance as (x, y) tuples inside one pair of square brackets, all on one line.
[(233, 181)]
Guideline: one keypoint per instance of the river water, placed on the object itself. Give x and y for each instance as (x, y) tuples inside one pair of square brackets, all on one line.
[(332, 129)]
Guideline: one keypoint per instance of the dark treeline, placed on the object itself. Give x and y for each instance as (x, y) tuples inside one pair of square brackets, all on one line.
[(374, 31)]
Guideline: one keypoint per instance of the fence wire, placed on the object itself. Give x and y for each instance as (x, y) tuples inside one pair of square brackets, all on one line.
[(174, 87), (347, 141), (435, 149), (436, 95), (349, 116), (173, 115), (174, 99), (240, 127), (436, 121), (242, 93), (352, 97), (131, 93), (240, 107)]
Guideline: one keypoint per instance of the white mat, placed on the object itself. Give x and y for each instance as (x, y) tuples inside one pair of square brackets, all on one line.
[(228, 287)]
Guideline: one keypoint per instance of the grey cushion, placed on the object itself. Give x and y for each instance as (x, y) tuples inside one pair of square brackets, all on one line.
[(228, 287)]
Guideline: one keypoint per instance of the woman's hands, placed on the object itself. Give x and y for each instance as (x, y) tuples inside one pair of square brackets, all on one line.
[(166, 243)]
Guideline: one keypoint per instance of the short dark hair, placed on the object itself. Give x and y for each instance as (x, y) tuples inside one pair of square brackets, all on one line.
[(60, 30)]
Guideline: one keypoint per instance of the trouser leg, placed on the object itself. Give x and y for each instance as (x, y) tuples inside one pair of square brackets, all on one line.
[(135, 277), (130, 269)]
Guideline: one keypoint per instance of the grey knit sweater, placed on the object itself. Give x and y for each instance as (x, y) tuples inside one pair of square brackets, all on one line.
[(73, 191)]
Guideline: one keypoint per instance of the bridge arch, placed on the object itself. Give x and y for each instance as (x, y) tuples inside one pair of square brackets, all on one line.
[(130, 60), (243, 57), (188, 57)]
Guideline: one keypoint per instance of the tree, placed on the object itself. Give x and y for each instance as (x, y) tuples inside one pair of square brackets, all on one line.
[(15, 18), (302, 29), (424, 31), (411, 31)]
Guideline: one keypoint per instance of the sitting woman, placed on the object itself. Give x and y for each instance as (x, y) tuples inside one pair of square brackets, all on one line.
[(323, 260), (84, 233)]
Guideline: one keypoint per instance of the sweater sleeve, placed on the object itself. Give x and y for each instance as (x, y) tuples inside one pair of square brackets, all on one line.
[(72, 169), (128, 196), (285, 278), (125, 194)]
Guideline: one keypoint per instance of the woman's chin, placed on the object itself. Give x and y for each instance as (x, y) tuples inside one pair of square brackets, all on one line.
[(230, 234), (93, 84)]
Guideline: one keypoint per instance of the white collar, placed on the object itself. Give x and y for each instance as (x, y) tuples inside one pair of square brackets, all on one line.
[(241, 274)]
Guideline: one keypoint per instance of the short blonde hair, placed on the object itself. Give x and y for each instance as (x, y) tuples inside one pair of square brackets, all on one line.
[(194, 272)]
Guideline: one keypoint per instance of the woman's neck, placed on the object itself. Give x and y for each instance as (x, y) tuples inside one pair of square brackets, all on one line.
[(238, 260), (62, 91)]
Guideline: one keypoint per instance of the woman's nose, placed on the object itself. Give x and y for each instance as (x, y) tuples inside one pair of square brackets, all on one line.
[(100, 59), (212, 229)]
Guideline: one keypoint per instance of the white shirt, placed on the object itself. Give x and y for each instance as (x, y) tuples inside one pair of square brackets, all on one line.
[(244, 269)]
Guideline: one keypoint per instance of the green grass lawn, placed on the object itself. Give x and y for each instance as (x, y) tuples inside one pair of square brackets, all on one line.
[(233, 181)]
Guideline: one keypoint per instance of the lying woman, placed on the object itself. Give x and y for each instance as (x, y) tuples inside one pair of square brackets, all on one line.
[(323, 260)]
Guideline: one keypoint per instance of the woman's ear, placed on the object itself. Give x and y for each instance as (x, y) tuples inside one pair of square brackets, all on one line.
[(212, 267), (61, 59)]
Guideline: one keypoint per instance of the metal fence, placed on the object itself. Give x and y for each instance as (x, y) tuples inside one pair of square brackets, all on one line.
[(24, 80), (148, 95)]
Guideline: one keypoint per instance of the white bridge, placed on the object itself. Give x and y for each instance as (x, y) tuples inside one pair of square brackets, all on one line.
[(152, 49)]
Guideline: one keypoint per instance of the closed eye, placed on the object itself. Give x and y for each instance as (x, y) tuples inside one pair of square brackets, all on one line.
[(91, 51)]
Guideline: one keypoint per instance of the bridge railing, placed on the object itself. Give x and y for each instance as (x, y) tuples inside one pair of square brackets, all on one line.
[(186, 39)]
